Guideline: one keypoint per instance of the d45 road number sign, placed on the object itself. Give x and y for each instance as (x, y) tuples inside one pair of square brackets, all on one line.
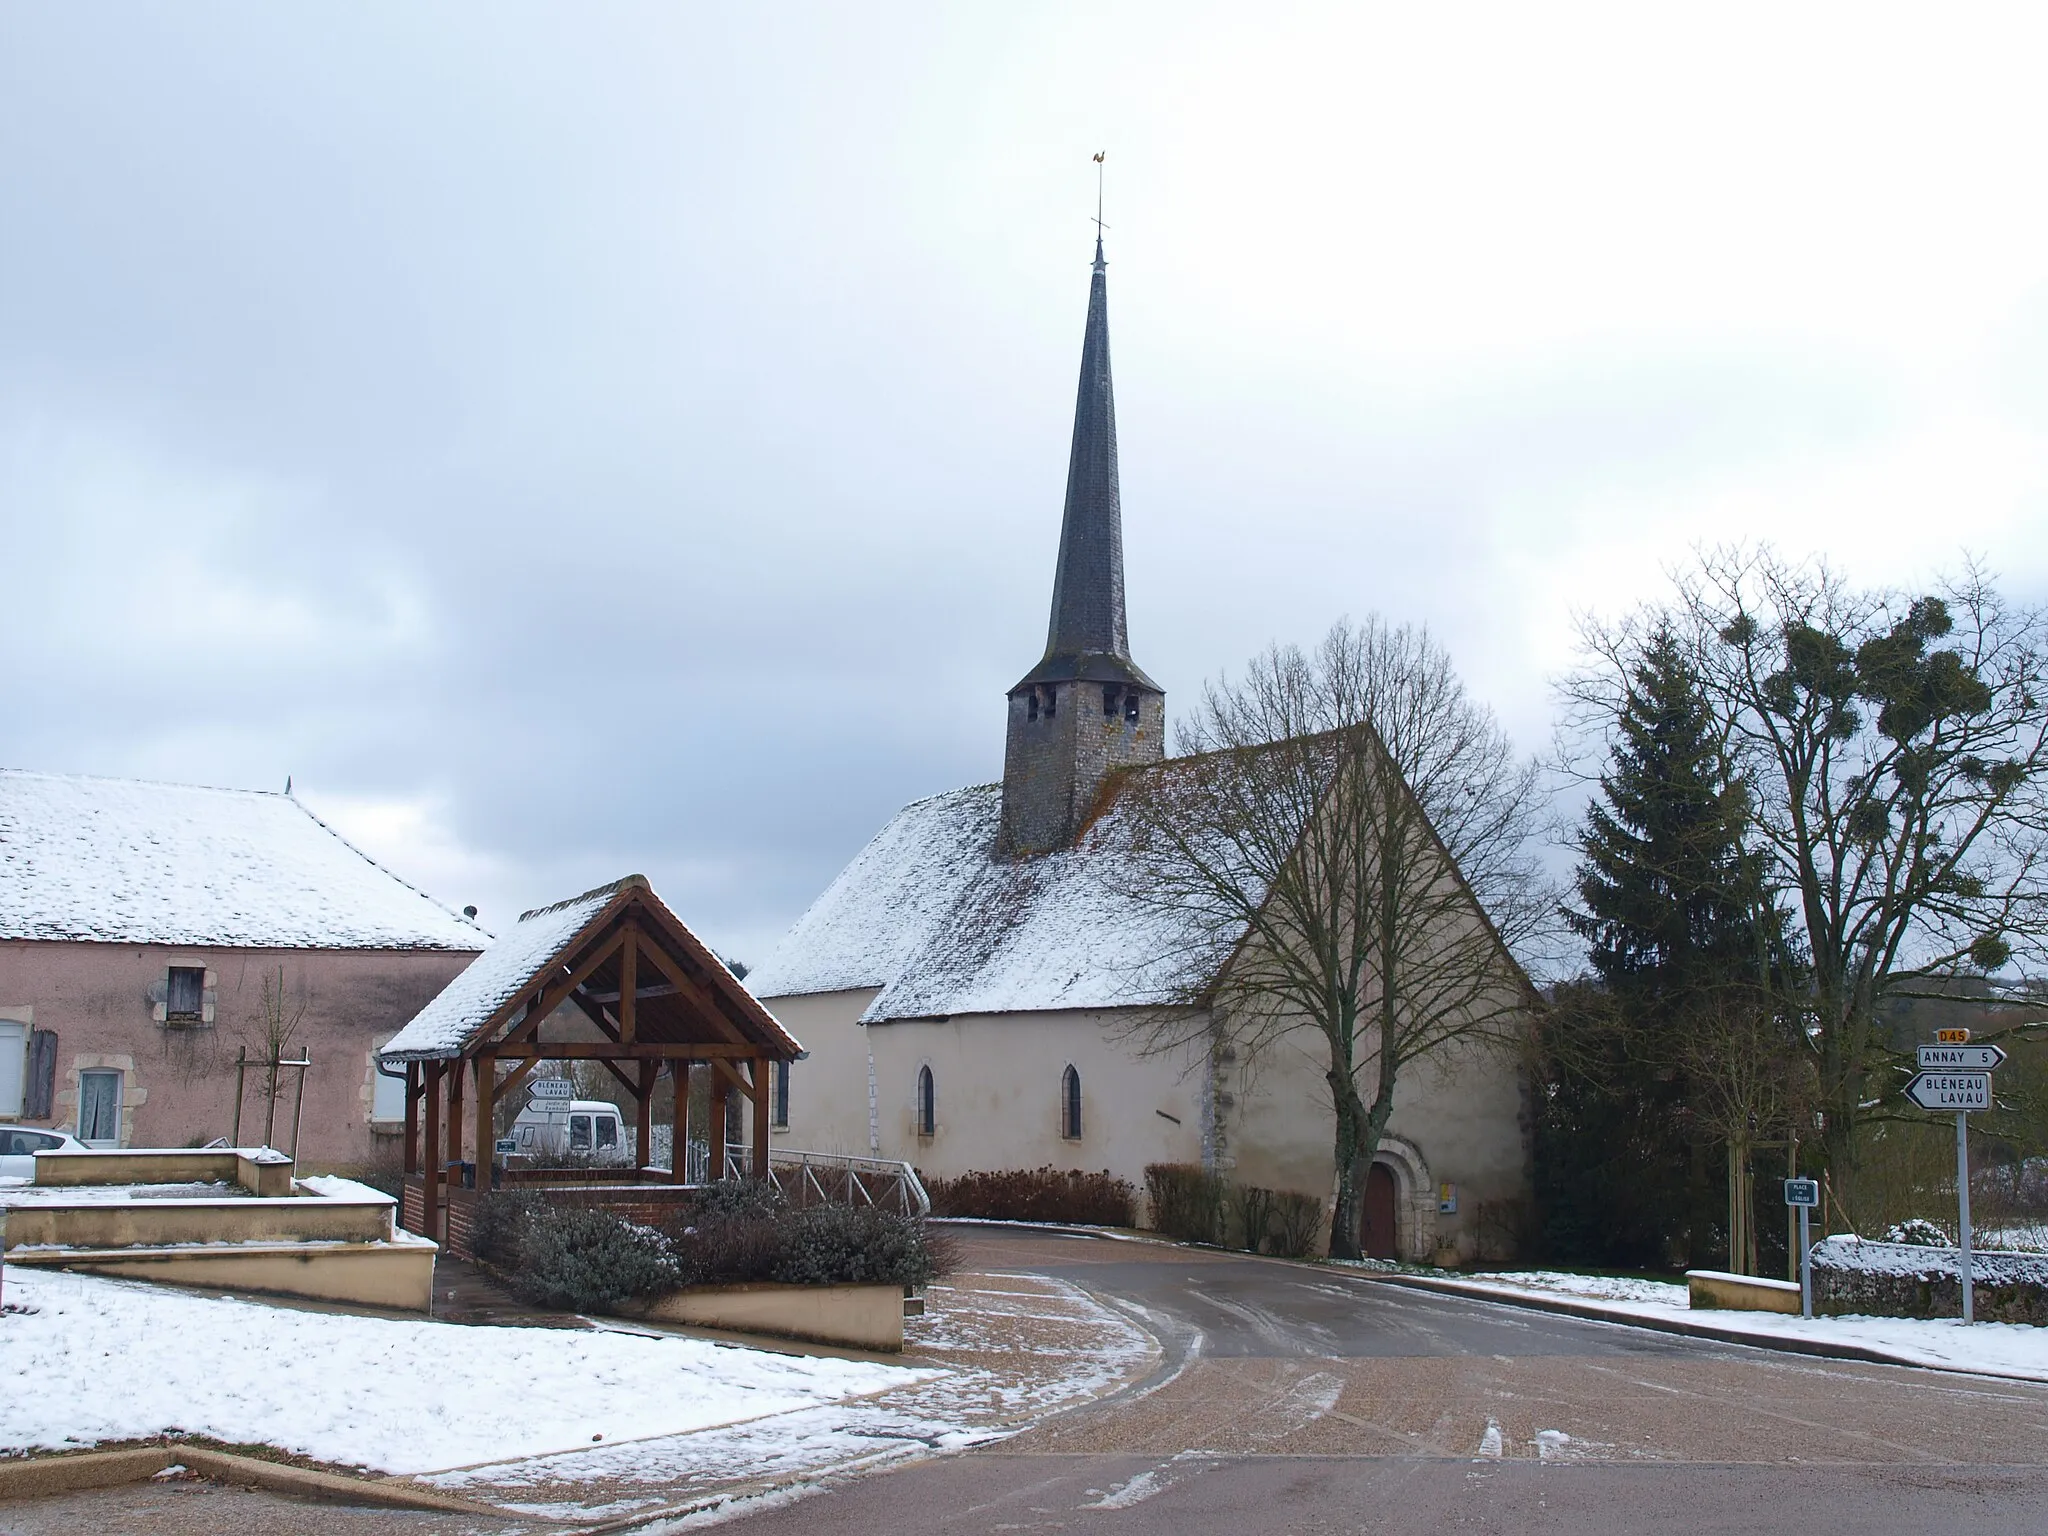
[(1951, 1090)]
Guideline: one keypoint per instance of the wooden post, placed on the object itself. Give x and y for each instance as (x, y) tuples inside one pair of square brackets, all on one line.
[(714, 1139), (643, 1115), (679, 1150), (486, 1119), (629, 985), (430, 1167), (412, 1117), (453, 1152), (764, 1076)]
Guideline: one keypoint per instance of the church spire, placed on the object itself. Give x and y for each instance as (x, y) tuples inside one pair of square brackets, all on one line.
[(1088, 636), (1086, 708)]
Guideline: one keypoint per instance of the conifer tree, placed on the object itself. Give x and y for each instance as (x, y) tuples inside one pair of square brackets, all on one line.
[(1672, 912)]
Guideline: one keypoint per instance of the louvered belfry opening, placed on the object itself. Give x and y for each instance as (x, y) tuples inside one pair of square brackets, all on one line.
[(611, 976)]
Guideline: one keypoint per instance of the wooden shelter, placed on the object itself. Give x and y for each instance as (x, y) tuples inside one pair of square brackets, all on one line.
[(611, 976)]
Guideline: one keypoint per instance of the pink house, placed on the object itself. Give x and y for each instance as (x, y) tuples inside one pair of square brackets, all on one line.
[(151, 934)]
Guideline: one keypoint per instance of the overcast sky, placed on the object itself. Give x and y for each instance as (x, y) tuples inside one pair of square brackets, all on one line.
[(579, 439)]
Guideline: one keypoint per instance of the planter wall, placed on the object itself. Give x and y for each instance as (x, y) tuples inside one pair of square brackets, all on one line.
[(863, 1316)]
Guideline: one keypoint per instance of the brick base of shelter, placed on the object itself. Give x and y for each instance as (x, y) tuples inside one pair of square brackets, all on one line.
[(650, 1204)]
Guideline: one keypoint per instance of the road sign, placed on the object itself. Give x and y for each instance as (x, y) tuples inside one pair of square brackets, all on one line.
[(1960, 1058), (1958, 1091), (1804, 1193), (551, 1088), (1952, 1036)]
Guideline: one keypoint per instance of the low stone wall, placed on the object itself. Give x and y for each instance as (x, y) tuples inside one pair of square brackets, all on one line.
[(258, 1170), (1716, 1289), (155, 1223), (395, 1275), (1855, 1277), (863, 1316)]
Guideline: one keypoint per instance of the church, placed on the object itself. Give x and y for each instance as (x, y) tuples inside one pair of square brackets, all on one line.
[(972, 988)]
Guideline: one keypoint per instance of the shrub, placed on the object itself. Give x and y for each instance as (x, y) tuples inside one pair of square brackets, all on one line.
[(1037, 1194), (854, 1245), (1251, 1209), (500, 1225), (1187, 1201), (589, 1260), (745, 1231), (1918, 1232), (1297, 1222)]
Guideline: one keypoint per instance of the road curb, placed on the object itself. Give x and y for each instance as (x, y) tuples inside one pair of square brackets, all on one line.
[(1825, 1349)]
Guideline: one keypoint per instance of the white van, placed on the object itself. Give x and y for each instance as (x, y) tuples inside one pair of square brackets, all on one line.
[(572, 1131)]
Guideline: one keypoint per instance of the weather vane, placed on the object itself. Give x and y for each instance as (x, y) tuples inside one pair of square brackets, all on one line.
[(1100, 156)]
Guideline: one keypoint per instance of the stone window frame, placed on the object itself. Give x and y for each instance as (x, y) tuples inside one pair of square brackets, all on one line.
[(778, 1096), (925, 1102), (1071, 1122), (209, 993)]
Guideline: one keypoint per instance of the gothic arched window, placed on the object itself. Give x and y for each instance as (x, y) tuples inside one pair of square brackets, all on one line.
[(1070, 1104), (927, 1104)]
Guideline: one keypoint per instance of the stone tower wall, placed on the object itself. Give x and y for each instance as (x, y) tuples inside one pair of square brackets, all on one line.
[(1060, 746)]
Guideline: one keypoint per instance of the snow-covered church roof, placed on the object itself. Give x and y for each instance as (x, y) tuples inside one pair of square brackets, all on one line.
[(928, 914), (123, 861)]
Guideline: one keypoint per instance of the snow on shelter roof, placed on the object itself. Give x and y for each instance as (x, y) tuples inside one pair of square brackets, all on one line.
[(124, 861), (929, 915), (541, 941)]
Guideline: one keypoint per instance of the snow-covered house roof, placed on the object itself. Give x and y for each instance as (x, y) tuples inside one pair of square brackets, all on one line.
[(929, 915), (130, 862), (549, 948)]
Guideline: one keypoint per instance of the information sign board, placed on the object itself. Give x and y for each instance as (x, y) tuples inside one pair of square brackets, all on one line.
[(1960, 1058), (1959, 1091), (1803, 1192)]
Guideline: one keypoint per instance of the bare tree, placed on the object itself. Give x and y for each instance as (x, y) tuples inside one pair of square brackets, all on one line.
[(1895, 748), (1750, 1084), (276, 1025), (1344, 853)]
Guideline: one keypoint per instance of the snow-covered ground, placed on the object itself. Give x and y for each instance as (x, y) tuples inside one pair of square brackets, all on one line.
[(101, 1360), (2003, 1349)]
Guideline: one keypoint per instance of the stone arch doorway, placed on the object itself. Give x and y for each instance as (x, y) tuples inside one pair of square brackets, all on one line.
[(1378, 1237)]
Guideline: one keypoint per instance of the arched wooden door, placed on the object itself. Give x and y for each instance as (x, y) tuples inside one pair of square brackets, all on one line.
[(1376, 1238)]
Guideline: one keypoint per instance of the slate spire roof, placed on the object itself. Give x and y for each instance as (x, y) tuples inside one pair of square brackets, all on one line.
[(1087, 637)]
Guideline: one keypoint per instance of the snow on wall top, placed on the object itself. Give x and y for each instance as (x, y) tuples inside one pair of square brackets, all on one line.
[(128, 862), (928, 914), (440, 1028)]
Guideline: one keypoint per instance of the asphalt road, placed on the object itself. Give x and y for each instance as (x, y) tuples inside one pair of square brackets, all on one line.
[(1291, 1398), (1300, 1399)]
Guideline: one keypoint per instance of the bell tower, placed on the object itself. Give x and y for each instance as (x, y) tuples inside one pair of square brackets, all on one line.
[(1086, 708)]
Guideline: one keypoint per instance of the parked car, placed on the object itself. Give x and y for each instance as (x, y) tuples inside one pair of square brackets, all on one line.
[(574, 1131), (18, 1149)]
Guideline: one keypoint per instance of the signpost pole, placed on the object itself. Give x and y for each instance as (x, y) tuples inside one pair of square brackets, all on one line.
[(1963, 1206), (1805, 1267)]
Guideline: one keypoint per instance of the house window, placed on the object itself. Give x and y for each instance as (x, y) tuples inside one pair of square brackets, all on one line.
[(13, 1067), (1110, 694), (927, 1104), (99, 1108), (778, 1088), (387, 1096), (1070, 1104), (185, 995)]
